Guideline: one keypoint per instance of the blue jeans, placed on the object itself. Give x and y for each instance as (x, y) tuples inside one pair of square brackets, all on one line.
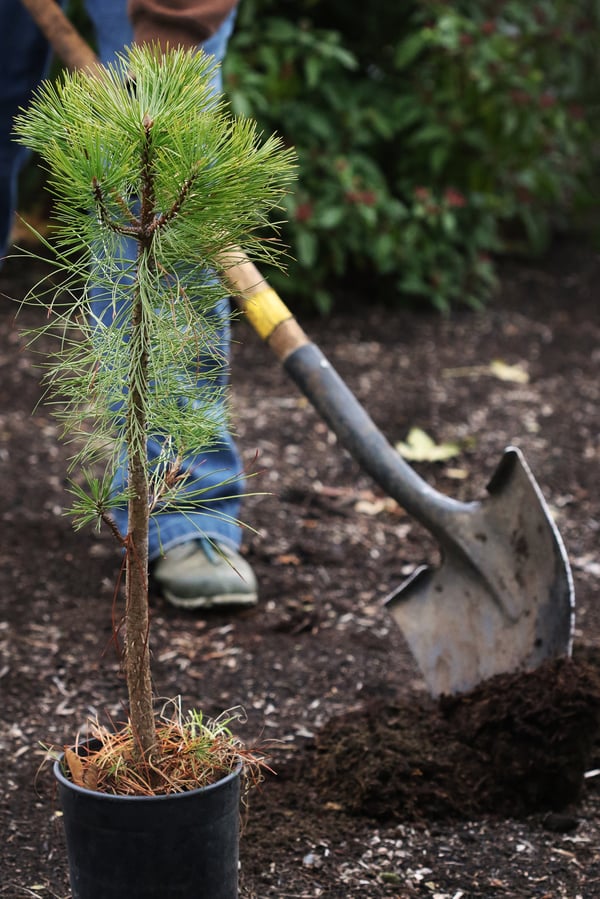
[(25, 57)]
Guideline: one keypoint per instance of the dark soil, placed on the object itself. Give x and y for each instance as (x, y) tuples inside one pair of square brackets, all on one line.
[(380, 790)]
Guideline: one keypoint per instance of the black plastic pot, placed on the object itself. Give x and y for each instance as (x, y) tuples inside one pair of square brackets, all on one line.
[(181, 846)]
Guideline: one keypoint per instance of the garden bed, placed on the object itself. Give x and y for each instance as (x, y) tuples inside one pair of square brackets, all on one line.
[(379, 790)]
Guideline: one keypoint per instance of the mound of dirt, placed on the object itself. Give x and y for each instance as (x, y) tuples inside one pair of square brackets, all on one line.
[(516, 745)]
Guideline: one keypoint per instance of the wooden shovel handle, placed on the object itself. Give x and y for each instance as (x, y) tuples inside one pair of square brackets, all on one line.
[(264, 309), (62, 36)]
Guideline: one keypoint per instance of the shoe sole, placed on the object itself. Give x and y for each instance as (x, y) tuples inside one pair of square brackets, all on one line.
[(211, 602)]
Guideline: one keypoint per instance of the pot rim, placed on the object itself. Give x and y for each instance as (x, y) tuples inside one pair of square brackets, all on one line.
[(85, 791)]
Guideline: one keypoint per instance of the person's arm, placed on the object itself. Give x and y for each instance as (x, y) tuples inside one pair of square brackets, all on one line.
[(177, 23)]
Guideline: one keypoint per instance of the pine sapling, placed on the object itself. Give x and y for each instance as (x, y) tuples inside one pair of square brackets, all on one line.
[(153, 184)]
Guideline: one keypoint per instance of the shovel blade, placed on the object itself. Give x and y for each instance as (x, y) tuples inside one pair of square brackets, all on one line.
[(502, 598)]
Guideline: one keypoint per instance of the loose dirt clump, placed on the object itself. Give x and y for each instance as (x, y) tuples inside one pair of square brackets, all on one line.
[(516, 745)]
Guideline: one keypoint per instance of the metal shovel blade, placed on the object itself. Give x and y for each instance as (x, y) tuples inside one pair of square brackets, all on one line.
[(502, 599)]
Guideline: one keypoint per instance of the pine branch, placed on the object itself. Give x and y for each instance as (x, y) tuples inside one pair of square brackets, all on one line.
[(165, 217), (125, 230)]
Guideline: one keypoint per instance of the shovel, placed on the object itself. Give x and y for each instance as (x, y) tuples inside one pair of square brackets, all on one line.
[(502, 599)]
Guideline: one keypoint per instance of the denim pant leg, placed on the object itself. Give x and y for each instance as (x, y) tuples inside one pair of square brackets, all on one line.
[(215, 511), (25, 57), (216, 516)]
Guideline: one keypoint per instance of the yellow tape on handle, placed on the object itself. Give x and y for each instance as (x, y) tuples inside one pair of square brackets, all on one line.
[(266, 311)]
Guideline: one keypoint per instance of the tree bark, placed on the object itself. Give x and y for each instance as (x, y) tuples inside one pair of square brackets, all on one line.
[(137, 645), (137, 639)]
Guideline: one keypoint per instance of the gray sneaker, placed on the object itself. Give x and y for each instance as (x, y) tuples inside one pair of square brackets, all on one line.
[(201, 575)]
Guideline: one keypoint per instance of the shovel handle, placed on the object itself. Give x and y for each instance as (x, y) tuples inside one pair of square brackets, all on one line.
[(263, 307), (62, 36), (331, 397)]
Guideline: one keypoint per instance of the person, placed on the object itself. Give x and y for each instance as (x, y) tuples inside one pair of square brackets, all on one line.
[(196, 560)]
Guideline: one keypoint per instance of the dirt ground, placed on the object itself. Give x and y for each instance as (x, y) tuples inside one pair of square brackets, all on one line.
[(380, 791)]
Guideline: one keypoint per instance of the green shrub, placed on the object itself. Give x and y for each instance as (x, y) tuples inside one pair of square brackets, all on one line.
[(302, 78), (431, 135)]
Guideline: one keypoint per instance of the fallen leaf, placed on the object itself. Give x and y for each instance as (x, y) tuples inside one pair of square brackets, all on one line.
[(91, 776), (375, 507), (457, 474), (287, 559), (75, 766), (419, 447), (504, 372), (496, 368)]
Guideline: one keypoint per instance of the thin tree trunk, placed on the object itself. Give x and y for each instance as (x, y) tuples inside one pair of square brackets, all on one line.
[(137, 642), (137, 645)]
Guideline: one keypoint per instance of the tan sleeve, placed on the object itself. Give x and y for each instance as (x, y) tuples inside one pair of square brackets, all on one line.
[(177, 23)]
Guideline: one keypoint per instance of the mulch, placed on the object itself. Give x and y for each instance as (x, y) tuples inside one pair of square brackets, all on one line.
[(380, 790)]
